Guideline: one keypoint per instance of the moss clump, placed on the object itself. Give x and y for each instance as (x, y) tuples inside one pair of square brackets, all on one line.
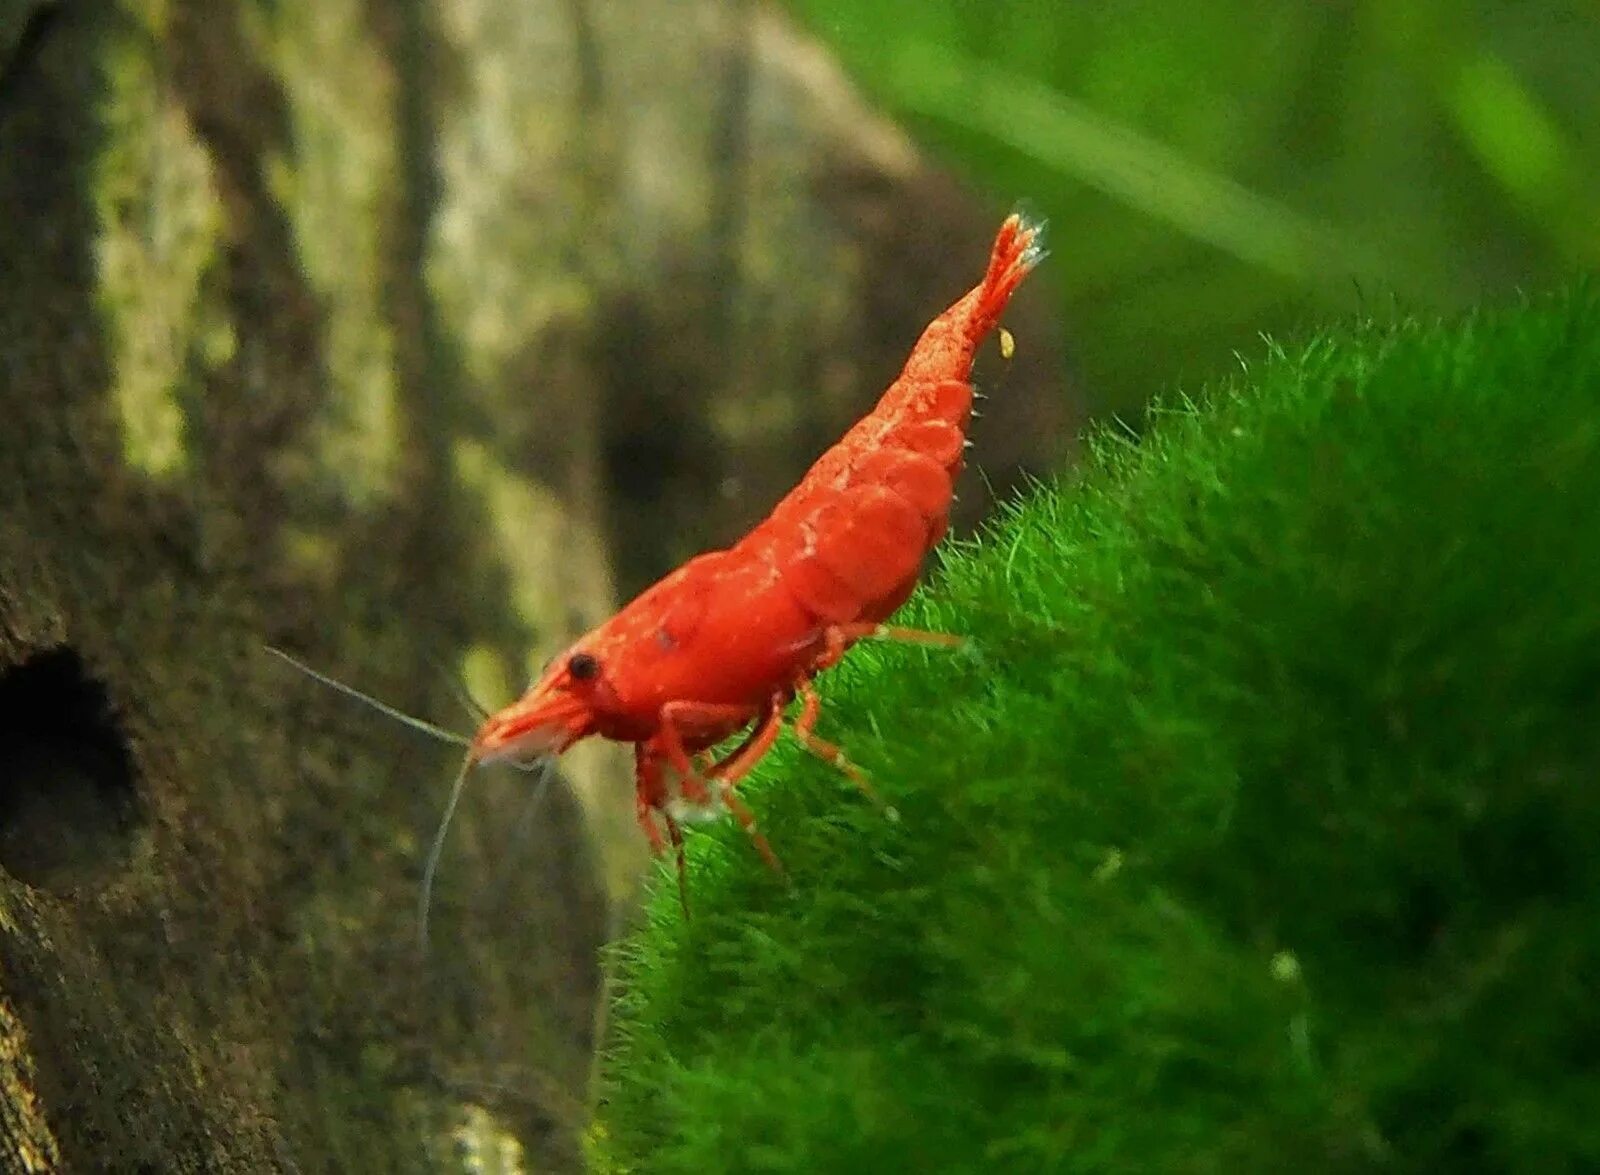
[(1255, 831)]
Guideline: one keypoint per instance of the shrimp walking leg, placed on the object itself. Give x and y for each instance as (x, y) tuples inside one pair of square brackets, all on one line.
[(838, 638), (676, 714), (675, 834), (675, 717), (650, 805), (829, 753), (747, 821), (645, 809), (910, 636), (738, 763)]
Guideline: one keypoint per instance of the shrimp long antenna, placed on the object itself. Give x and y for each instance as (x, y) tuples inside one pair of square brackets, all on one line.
[(401, 716), (459, 688), (425, 895)]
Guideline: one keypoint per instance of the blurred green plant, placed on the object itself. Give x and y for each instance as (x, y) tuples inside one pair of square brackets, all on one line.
[(1255, 831), (1216, 171)]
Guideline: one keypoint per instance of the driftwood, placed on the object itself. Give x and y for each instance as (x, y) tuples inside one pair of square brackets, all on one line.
[(403, 336)]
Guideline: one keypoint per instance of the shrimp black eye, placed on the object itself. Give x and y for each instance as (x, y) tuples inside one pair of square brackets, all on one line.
[(583, 667)]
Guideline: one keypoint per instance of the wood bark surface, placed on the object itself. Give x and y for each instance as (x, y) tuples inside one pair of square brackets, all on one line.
[(405, 336)]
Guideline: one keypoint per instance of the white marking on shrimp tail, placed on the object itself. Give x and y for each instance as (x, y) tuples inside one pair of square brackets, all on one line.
[(1036, 250)]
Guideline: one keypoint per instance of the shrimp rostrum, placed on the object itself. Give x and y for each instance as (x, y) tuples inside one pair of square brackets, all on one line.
[(723, 644)]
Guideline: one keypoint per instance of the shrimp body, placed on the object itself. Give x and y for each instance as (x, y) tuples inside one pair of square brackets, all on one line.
[(723, 643)]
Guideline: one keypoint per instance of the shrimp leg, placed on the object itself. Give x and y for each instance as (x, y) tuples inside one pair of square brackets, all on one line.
[(645, 807), (649, 802), (695, 772), (672, 747), (829, 753), (737, 765), (669, 738), (837, 639), (747, 821), (729, 771), (675, 834)]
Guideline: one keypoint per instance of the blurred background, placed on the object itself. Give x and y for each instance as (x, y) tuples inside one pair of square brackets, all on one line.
[(1218, 171), (415, 335)]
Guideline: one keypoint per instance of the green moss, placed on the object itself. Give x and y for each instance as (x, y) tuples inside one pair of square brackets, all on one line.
[(1255, 829)]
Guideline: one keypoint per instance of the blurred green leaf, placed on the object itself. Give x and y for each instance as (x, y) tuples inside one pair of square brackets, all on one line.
[(1072, 139), (1215, 172), (1508, 131)]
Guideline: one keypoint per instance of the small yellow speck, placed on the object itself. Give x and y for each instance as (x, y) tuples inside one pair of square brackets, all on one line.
[(1008, 343)]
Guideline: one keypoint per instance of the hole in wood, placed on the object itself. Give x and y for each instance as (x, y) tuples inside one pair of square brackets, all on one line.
[(68, 810)]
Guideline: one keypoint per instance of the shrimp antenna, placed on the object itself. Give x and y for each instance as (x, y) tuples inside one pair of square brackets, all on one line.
[(400, 716), (458, 687), (425, 895), (518, 834), (543, 765)]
